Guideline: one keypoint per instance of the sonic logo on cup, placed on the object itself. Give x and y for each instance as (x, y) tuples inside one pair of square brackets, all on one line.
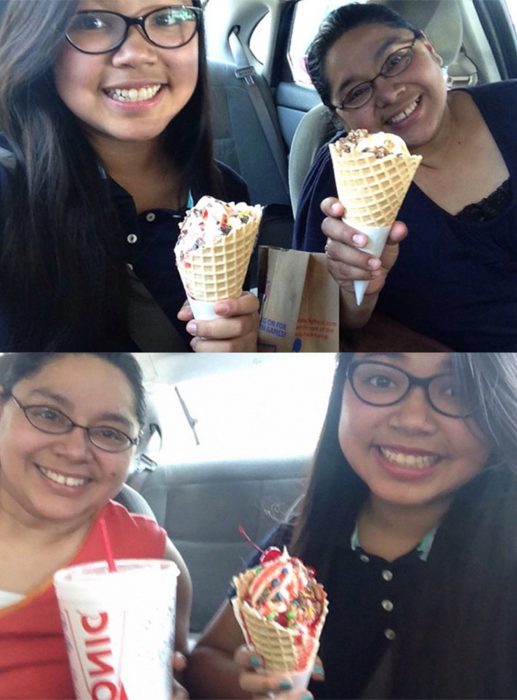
[(99, 653)]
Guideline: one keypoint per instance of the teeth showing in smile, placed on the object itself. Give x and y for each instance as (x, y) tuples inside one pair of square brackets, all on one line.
[(399, 117), (408, 461), (134, 95), (61, 478)]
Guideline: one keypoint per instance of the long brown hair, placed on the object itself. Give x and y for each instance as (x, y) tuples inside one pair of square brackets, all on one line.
[(458, 639), (63, 275)]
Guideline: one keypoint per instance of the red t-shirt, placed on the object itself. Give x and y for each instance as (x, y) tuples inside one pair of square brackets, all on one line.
[(33, 658)]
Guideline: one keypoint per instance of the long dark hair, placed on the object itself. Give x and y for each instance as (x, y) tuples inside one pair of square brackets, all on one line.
[(16, 366), (62, 270), (334, 26), (458, 640)]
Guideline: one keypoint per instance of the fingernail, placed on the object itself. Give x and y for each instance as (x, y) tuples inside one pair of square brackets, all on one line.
[(359, 239), (285, 684), (318, 670), (374, 263), (335, 209), (192, 327), (307, 696), (255, 661)]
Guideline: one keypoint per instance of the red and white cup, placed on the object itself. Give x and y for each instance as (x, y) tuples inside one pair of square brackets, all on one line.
[(119, 627)]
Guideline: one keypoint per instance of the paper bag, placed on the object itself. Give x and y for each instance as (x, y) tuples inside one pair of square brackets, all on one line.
[(300, 302)]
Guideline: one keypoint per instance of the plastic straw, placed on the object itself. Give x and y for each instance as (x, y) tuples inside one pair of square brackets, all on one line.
[(107, 546), (248, 539), (111, 567)]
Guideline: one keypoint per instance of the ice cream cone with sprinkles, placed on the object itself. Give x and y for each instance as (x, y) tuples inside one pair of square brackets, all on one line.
[(213, 251), (281, 609)]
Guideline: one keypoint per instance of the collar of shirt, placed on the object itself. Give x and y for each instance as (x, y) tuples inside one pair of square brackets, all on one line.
[(423, 549), (105, 176)]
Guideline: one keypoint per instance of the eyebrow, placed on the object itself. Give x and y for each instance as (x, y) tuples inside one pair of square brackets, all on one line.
[(403, 357), (110, 3), (389, 355), (386, 44), (67, 404)]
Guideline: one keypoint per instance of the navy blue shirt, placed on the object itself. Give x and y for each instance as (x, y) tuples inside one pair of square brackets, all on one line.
[(455, 279), (150, 238), (149, 243), (367, 597)]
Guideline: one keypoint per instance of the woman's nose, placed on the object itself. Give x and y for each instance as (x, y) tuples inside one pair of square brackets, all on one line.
[(135, 49), (75, 444), (414, 413), (387, 90)]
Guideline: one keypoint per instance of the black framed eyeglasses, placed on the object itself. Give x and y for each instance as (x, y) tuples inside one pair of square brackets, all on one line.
[(382, 384), (396, 63), (55, 422), (102, 31)]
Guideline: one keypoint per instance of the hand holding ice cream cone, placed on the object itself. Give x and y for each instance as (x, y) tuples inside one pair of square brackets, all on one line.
[(373, 173), (213, 251), (281, 609), (348, 261), (258, 682)]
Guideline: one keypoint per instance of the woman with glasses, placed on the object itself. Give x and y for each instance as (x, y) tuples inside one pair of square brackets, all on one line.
[(409, 521), (105, 141), (448, 271), (69, 424)]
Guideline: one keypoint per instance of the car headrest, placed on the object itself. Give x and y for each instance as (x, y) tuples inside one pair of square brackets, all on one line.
[(439, 19), (315, 128)]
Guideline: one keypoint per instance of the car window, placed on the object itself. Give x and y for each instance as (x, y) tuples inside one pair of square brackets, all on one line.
[(308, 16), (255, 406), (512, 10), (260, 38)]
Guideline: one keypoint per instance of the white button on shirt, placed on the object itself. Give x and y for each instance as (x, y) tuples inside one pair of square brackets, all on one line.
[(151, 217), (387, 605), (390, 634), (132, 238), (387, 575)]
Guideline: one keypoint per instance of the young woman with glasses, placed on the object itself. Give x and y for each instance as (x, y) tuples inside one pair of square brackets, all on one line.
[(106, 141), (409, 520), (448, 270), (69, 424)]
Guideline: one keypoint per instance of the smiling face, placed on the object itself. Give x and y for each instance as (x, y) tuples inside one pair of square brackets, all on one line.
[(408, 454), (411, 104), (130, 94), (65, 477)]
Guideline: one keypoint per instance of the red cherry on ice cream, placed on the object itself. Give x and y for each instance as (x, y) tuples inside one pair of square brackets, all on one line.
[(270, 555)]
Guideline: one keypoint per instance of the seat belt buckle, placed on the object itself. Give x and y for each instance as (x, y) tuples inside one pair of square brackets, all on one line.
[(145, 463), (246, 74)]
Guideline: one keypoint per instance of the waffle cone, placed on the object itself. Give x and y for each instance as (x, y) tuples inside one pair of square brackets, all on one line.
[(372, 189), (217, 272), (282, 649)]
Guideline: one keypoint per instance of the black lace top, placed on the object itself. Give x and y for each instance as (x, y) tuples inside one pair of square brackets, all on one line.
[(490, 207)]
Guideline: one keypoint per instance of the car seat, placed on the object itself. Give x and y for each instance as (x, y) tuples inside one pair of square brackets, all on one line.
[(441, 21), (134, 502)]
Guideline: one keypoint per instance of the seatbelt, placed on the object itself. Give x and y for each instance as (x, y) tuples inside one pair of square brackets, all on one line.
[(144, 463), (246, 72)]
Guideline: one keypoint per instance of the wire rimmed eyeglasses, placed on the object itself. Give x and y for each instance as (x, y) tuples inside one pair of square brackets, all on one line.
[(103, 31), (395, 64), (382, 384), (55, 422)]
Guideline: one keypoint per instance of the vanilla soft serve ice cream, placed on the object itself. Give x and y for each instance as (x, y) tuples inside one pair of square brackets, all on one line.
[(210, 219)]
